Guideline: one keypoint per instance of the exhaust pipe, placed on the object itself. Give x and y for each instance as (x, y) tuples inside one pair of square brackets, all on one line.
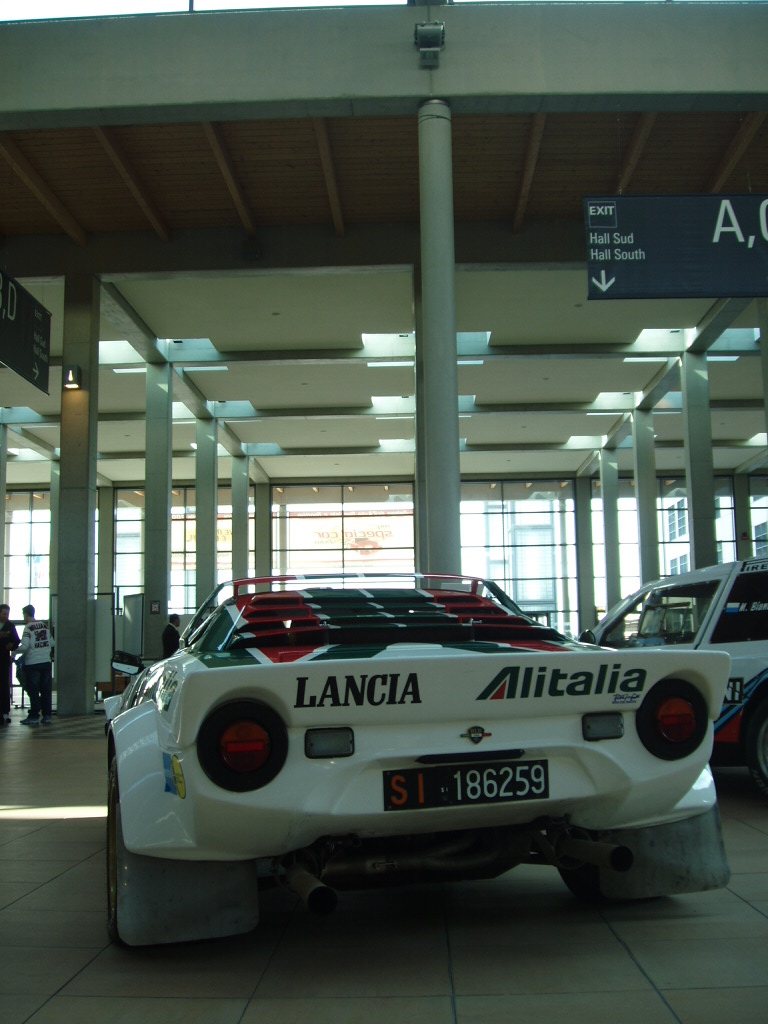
[(318, 898), (604, 855)]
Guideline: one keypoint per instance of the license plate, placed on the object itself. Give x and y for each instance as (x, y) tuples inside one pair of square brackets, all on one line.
[(463, 785)]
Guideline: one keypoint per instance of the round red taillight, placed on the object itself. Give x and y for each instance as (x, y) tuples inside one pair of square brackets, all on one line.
[(244, 746), (675, 719)]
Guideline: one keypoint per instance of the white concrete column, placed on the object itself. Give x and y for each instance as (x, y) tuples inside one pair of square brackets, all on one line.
[(241, 481), (646, 490), (762, 323), (3, 489), (157, 506), (76, 609), (437, 416), (609, 492), (420, 503), (53, 550), (106, 573), (263, 529), (206, 507), (742, 515), (585, 570), (699, 470)]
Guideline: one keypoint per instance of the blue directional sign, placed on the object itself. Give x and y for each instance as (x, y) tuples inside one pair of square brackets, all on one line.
[(676, 247), (25, 333)]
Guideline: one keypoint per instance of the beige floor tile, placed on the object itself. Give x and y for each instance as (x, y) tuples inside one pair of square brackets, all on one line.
[(551, 965), (391, 968), (68, 892), (36, 872), (628, 1007), (392, 1010), (52, 928), (91, 831), (35, 847), (10, 830), (226, 968), (95, 1010), (467, 933), (703, 963), (714, 915), (41, 974), (750, 886), (12, 892), (17, 1009), (718, 1006)]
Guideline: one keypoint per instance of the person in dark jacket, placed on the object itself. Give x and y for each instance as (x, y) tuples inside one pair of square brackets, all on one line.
[(9, 641), (171, 636)]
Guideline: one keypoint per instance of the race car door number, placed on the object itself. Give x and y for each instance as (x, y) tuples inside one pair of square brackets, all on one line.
[(459, 785)]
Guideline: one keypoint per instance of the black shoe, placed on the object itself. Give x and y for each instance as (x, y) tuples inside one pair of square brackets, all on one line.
[(29, 720)]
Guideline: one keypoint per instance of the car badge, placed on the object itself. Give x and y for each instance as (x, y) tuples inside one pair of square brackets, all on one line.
[(475, 734)]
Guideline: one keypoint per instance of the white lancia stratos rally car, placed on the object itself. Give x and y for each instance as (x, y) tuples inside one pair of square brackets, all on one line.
[(341, 733)]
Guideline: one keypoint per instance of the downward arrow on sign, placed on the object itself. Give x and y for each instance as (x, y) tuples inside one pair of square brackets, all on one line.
[(602, 284)]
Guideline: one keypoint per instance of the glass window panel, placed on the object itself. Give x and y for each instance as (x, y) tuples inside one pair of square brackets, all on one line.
[(40, 598), (17, 538), (17, 571), (17, 503)]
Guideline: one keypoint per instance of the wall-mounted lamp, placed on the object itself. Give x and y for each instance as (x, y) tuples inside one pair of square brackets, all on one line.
[(72, 378), (429, 37)]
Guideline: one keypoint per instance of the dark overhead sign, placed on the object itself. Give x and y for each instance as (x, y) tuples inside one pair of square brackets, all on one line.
[(25, 333), (676, 247)]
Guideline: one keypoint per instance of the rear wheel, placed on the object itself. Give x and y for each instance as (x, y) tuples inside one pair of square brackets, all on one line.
[(113, 799), (756, 746)]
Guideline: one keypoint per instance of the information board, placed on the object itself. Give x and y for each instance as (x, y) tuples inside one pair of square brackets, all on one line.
[(650, 247), (25, 333)]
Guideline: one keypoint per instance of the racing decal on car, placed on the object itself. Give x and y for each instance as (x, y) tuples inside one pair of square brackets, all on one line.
[(737, 687), (174, 776), (383, 688), (536, 681), (734, 691)]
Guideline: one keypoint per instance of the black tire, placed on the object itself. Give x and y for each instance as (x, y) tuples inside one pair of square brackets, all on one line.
[(756, 746), (113, 799), (584, 882)]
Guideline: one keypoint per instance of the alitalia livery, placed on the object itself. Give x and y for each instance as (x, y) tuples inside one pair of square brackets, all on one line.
[(329, 734)]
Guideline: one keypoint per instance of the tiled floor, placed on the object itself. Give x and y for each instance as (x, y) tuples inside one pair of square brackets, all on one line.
[(519, 948)]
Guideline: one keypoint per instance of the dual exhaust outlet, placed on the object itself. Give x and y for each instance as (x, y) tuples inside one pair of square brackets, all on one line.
[(321, 899)]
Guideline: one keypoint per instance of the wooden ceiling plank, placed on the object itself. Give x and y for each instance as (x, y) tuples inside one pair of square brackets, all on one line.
[(736, 149), (116, 154), (329, 173), (40, 189), (529, 168), (218, 145), (642, 131)]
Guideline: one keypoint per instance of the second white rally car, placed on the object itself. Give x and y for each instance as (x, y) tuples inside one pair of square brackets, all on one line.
[(333, 734)]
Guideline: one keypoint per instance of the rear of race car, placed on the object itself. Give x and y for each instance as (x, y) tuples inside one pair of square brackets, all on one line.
[(415, 762)]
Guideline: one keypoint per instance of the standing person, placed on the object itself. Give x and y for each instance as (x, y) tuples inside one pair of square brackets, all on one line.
[(9, 641), (36, 645), (171, 636)]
